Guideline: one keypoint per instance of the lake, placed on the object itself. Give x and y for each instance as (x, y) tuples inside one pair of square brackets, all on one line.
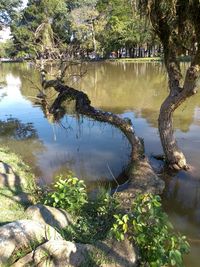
[(97, 152)]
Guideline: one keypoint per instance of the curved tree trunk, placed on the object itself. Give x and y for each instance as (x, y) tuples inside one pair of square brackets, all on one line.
[(174, 157), (169, 27)]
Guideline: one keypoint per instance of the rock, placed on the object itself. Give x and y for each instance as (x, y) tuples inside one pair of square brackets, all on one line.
[(61, 253), (23, 234), (118, 254), (55, 253), (57, 218), (24, 198)]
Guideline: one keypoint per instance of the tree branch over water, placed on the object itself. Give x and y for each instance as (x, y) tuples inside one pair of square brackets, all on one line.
[(83, 106), (139, 172)]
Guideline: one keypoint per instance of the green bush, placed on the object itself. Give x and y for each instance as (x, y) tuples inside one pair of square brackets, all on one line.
[(70, 194), (95, 220), (146, 224), (149, 228)]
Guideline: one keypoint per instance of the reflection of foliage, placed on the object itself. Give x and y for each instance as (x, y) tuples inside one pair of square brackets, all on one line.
[(13, 128)]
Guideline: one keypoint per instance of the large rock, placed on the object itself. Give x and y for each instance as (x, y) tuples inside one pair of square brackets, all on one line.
[(118, 254), (56, 253), (61, 253), (57, 218), (23, 234)]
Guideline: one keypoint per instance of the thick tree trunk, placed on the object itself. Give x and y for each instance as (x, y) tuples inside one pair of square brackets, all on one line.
[(177, 93), (174, 157)]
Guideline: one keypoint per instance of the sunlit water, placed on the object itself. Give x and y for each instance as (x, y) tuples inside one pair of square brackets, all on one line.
[(97, 152)]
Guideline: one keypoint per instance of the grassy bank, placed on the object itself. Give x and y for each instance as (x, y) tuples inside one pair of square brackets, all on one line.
[(137, 60), (146, 59), (15, 197)]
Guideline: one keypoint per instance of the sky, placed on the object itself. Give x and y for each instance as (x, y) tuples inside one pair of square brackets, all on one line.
[(24, 2)]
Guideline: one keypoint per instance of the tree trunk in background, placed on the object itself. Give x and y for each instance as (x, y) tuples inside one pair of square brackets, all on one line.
[(174, 157)]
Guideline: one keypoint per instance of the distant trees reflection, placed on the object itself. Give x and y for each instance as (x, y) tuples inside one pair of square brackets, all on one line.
[(15, 129)]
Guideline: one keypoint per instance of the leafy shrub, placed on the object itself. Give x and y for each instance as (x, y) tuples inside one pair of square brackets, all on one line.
[(149, 227), (70, 195), (95, 220)]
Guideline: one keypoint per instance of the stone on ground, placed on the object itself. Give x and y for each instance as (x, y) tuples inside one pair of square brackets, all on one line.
[(57, 218), (22, 235), (55, 253)]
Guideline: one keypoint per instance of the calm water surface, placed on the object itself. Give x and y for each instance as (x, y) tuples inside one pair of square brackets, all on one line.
[(96, 151)]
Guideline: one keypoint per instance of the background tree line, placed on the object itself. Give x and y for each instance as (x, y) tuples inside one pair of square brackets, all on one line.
[(89, 28)]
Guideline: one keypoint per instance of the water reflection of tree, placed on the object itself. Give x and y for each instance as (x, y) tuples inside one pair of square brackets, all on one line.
[(134, 87), (14, 128), (2, 96), (21, 138), (177, 197)]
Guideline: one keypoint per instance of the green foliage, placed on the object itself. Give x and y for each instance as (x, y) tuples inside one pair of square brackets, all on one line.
[(95, 220), (6, 49), (70, 194), (51, 15), (8, 10), (94, 217), (96, 25), (148, 226)]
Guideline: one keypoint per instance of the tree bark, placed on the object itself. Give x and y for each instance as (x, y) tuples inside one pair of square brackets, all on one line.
[(165, 27), (174, 157)]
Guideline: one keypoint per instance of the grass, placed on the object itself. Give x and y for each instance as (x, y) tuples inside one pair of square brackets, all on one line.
[(10, 209), (20, 168), (12, 206), (139, 60), (147, 59)]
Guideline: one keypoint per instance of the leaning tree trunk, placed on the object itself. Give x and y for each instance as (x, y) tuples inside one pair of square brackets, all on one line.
[(174, 157), (167, 27)]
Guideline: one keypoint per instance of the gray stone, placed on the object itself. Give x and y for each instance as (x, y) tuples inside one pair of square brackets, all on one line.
[(23, 234), (118, 254), (57, 218), (55, 253), (61, 253)]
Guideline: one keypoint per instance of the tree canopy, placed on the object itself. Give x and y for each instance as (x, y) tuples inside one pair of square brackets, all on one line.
[(99, 26), (8, 10)]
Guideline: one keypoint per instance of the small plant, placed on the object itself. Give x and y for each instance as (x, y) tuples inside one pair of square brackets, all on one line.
[(149, 227), (70, 194), (95, 220)]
